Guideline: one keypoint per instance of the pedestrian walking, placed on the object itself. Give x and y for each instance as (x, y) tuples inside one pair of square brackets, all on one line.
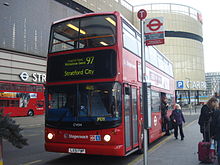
[(215, 125), (205, 118), (178, 119)]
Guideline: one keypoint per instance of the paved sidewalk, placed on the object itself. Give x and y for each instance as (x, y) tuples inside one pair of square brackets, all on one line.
[(177, 152), (193, 110)]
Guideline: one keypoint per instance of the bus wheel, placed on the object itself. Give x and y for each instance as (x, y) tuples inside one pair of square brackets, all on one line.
[(30, 112)]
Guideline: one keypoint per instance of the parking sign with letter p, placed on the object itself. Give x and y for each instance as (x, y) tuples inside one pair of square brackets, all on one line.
[(179, 84)]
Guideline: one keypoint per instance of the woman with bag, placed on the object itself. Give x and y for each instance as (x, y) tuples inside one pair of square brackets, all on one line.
[(205, 118), (178, 119)]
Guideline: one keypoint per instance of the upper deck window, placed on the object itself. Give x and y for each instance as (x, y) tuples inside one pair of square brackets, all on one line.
[(131, 39), (86, 32)]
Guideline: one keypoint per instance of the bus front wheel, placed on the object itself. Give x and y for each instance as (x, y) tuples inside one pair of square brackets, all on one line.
[(30, 112)]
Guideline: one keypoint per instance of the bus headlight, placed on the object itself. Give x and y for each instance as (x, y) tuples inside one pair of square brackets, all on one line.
[(50, 136), (107, 138)]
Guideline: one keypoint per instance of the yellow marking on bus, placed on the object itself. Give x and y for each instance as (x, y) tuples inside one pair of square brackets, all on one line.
[(29, 163), (100, 118), (157, 146), (1, 162)]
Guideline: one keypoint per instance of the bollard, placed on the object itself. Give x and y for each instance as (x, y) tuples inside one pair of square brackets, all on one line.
[(1, 152)]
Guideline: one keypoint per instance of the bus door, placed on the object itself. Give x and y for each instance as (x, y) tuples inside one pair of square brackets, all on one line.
[(155, 130), (131, 117)]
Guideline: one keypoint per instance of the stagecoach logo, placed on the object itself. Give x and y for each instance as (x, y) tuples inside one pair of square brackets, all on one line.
[(69, 136)]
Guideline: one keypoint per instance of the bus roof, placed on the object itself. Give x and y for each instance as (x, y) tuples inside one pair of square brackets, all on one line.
[(86, 15)]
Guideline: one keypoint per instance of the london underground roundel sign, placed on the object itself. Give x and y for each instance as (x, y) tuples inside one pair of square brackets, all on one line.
[(154, 24), (24, 76)]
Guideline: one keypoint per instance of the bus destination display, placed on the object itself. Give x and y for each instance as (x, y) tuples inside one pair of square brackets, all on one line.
[(87, 61), (82, 66)]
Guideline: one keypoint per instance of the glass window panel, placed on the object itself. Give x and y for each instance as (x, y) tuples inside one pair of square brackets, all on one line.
[(130, 40), (155, 96), (85, 100), (89, 32)]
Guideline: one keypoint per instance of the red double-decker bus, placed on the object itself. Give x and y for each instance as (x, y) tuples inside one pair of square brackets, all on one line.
[(22, 99), (94, 89)]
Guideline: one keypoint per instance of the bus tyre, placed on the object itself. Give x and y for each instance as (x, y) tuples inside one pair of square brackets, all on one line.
[(30, 112)]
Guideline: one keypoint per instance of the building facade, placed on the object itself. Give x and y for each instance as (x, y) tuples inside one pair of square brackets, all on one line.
[(213, 83)]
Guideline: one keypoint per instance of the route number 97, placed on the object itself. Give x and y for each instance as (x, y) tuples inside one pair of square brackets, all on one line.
[(90, 60)]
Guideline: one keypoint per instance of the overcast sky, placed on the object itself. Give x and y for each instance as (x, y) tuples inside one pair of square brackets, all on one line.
[(211, 27)]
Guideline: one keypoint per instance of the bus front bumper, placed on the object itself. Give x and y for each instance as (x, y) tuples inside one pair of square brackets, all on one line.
[(105, 149)]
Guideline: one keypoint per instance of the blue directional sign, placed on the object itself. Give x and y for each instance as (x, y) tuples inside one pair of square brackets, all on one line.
[(179, 84)]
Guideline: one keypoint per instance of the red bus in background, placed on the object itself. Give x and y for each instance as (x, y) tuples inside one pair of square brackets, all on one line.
[(21, 99), (94, 89)]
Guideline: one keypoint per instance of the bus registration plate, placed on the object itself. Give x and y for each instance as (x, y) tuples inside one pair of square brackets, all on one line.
[(77, 150)]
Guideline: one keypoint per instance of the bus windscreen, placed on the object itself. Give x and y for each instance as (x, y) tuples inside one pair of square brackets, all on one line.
[(88, 105)]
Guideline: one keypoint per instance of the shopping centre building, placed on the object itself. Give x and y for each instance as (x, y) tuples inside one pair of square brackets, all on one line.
[(183, 46), (25, 34)]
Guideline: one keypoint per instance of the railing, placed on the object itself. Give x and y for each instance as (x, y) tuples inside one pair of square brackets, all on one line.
[(125, 4), (164, 8)]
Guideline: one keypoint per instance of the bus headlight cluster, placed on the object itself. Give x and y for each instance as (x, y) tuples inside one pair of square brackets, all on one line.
[(50, 136), (107, 138)]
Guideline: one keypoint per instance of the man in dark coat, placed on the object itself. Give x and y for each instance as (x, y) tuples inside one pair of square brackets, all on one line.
[(205, 118), (216, 131), (165, 118), (178, 119)]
